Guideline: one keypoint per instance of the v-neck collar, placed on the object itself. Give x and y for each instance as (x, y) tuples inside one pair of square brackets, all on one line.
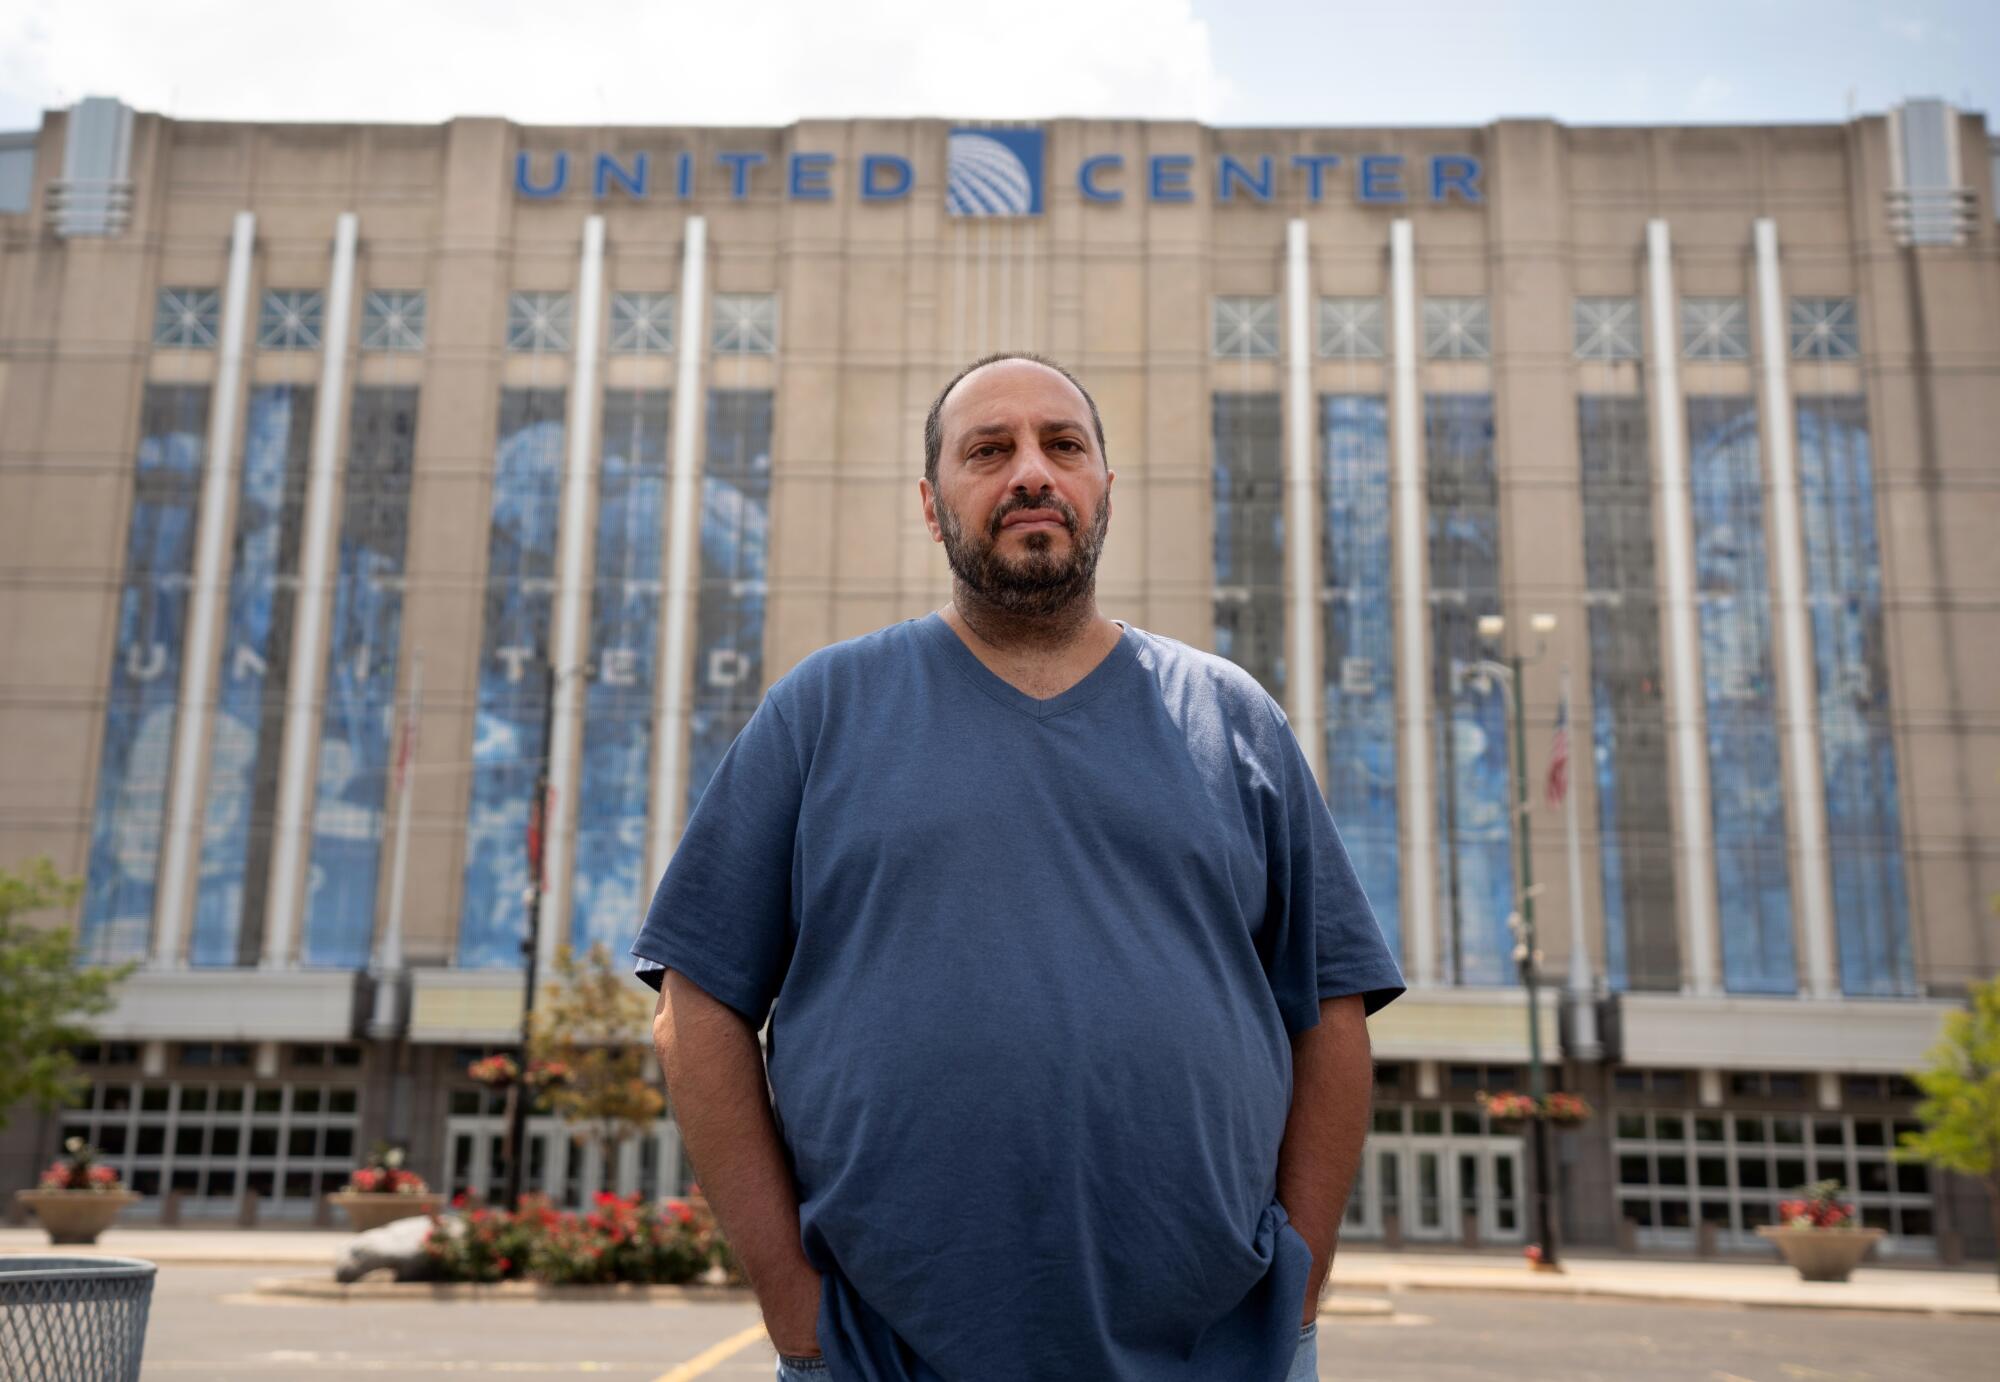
[(1012, 696)]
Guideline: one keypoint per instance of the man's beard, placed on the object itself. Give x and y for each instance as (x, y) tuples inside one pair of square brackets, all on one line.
[(1035, 582)]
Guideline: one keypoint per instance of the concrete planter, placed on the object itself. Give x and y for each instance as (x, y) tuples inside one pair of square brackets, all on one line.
[(366, 1211), (1822, 1254), (75, 1216)]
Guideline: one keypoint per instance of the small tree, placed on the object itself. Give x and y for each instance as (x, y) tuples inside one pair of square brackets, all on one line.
[(589, 1038), (46, 999), (1960, 1111)]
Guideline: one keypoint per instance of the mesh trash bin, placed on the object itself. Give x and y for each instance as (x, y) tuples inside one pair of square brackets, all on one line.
[(73, 1319)]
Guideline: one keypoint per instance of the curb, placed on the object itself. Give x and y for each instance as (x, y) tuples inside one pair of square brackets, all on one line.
[(1553, 1286), (512, 1292)]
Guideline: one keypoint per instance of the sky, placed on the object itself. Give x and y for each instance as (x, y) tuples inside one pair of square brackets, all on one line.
[(1228, 62)]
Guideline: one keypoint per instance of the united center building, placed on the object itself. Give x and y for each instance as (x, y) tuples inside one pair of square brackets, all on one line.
[(350, 473)]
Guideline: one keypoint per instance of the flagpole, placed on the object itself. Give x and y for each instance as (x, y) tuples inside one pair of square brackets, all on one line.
[(1583, 1008)]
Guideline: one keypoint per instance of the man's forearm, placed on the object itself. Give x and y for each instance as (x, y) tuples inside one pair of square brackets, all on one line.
[(1333, 1078), (715, 1076)]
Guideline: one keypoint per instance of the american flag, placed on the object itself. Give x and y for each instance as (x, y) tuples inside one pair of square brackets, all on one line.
[(1557, 785)]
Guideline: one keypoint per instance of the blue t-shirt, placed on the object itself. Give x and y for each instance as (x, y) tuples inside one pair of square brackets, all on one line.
[(1036, 966)]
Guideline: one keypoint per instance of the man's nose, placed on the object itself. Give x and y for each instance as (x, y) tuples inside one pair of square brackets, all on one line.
[(1032, 470)]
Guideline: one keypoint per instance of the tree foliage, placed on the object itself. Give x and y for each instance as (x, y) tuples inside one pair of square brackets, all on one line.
[(1960, 1111), (46, 997), (591, 1022)]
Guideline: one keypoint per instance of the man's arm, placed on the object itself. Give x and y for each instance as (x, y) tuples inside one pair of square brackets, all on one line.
[(715, 1076), (1333, 1077)]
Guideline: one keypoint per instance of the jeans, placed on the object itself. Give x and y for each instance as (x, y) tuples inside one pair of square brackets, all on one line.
[(1305, 1363)]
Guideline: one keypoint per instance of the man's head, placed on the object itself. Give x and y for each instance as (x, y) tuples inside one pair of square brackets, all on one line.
[(1016, 484)]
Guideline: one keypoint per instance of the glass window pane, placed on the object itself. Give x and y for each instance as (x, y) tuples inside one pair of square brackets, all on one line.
[(340, 1101), (1788, 1131), (1245, 328), (1713, 1170), (1669, 1127), (1606, 328), (154, 1098), (1673, 1169), (538, 322), (642, 323), (224, 1141), (745, 324), (1824, 329), (1427, 1122), (1633, 1170), (1674, 1214), (1753, 1173), (1457, 329), (1708, 1129), (1350, 328), (392, 321), (290, 319), (187, 1140), (187, 318), (1632, 1126), (1715, 328), (1870, 1132), (1750, 1131), (1464, 1123), (194, 1098)]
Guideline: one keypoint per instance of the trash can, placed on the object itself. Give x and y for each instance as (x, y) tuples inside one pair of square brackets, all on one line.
[(73, 1319)]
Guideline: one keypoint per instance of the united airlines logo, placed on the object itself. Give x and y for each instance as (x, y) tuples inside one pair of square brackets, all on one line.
[(993, 172)]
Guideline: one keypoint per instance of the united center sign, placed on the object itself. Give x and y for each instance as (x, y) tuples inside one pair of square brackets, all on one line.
[(1000, 171)]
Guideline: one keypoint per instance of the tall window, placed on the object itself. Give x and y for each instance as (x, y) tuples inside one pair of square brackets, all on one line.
[(735, 541), (140, 707), (1359, 661), (1857, 749), (364, 647), (513, 687), (1746, 788), (1475, 816), (610, 888), (1628, 716), (1250, 536), (256, 656)]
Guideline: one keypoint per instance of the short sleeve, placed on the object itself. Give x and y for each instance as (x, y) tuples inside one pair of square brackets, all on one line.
[(722, 912), (1326, 942)]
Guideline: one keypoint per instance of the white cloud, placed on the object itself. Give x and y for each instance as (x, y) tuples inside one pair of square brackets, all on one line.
[(609, 61)]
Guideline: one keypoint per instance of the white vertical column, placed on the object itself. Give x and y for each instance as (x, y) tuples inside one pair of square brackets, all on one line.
[(1697, 827), (1413, 649), (181, 835), (1808, 799), (572, 588), (1301, 509), (298, 763), (670, 731)]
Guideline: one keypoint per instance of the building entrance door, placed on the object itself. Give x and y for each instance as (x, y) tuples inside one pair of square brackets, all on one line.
[(1437, 1187)]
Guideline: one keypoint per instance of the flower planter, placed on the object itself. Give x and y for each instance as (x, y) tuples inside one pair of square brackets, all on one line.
[(365, 1211), (1822, 1254), (75, 1216)]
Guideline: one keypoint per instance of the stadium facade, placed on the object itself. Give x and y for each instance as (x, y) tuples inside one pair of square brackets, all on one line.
[(349, 473)]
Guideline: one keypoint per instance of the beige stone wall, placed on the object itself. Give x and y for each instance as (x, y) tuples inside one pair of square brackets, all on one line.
[(880, 302)]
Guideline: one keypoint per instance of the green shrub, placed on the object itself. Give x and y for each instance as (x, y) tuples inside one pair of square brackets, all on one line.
[(619, 1240)]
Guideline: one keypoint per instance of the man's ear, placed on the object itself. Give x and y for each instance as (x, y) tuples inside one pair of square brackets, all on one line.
[(929, 499)]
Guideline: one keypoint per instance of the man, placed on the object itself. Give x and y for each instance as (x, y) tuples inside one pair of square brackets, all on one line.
[(1068, 1061)]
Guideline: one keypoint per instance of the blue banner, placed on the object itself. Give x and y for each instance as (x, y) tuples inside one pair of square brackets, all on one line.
[(250, 705), (1857, 751), (139, 711), (363, 650), (610, 889), (1475, 820), (507, 729), (1360, 665), (1746, 788), (729, 620)]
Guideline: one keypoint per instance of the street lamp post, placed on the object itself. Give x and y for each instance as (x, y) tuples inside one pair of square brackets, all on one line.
[(531, 944), (1527, 953)]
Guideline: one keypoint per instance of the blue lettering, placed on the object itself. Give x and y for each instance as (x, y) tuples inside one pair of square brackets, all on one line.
[(1086, 178), (1382, 178), (1316, 167), (608, 169), (1230, 170), (552, 188), (684, 177), (808, 178), (1167, 179), (739, 166), (873, 189), (1455, 172)]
